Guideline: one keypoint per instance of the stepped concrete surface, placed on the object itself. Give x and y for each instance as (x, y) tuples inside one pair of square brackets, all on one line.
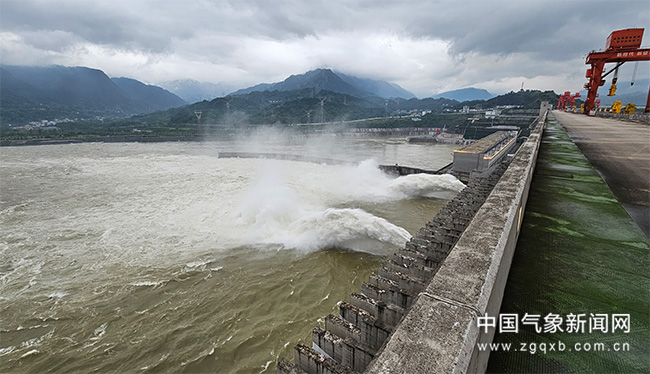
[(620, 152), (440, 333)]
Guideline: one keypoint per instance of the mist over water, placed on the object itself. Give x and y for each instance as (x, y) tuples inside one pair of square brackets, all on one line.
[(272, 211), (163, 257)]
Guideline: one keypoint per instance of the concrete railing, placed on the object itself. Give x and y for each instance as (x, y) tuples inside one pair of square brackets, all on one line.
[(439, 334)]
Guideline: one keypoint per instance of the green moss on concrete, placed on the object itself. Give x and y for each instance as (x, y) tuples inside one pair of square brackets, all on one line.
[(578, 252)]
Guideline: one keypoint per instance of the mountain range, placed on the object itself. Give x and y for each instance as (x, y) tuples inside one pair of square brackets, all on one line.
[(193, 91), (84, 94), (626, 92), (465, 94), (310, 106), (33, 93), (328, 80)]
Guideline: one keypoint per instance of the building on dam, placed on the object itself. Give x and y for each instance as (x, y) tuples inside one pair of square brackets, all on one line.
[(484, 154)]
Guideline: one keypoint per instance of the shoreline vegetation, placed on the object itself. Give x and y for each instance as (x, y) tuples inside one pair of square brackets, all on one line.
[(101, 139), (88, 133)]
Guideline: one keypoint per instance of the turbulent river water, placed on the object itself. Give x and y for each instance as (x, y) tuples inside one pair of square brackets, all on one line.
[(162, 257)]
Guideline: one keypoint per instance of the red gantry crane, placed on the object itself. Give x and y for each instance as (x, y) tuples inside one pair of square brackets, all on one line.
[(572, 100), (621, 46), (561, 102), (567, 99)]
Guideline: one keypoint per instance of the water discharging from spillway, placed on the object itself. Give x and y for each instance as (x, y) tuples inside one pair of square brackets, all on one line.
[(162, 257)]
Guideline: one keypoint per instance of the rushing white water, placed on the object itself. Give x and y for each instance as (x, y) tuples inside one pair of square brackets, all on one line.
[(272, 213), (119, 257), (367, 183)]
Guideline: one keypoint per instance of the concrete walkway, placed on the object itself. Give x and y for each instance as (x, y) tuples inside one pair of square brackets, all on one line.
[(578, 252), (620, 151)]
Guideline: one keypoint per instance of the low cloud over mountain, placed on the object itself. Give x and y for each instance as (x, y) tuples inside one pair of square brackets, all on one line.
[(326, 79), (56, 92)]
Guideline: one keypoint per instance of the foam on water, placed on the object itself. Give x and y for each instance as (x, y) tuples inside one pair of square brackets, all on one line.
[(271, 212), (319, 229), (6, 350), (161, 209), (367, 183), (57, 294), (154, 255)]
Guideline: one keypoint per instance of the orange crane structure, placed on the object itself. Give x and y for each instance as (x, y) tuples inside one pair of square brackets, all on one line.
[(562, 101), (621, 46), (567, 99)]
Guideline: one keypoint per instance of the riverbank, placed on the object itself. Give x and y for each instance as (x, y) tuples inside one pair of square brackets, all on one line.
[(101, 139)]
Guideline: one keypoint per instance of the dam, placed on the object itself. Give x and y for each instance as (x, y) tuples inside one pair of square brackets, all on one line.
[(172, 282), (420, 313)]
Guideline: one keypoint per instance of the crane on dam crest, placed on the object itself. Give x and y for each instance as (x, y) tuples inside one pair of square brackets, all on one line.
[(621, 46)]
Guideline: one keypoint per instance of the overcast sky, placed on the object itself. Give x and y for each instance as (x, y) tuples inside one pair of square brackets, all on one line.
[(427, 47)]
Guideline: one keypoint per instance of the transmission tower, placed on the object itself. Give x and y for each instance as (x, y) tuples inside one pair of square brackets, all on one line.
[(228, 116), (322, 110)]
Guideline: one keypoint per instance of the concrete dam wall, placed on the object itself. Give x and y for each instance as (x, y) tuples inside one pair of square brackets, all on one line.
[(419, 313), (388, 169), (469, 283), (283, 156)]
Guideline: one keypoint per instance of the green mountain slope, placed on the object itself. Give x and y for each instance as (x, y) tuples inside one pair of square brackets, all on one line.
[(327, 80), (35, 93)]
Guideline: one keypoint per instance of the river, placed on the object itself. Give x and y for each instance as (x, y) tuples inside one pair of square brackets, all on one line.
[(162, 257)]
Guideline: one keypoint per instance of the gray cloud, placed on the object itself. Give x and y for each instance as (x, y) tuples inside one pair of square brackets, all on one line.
[(26, 16), (426, 46), (549, 28)]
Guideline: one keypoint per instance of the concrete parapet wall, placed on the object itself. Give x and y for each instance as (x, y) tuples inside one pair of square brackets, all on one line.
[(439, 334)]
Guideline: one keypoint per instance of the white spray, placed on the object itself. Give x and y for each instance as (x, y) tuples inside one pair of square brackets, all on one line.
[(273, 213)]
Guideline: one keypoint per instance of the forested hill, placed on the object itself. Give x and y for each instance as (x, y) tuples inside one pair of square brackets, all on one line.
[(35, 93), (465, 94), (281, 108), (328, 80), (289, 107), (526, 99), (306, 106)]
